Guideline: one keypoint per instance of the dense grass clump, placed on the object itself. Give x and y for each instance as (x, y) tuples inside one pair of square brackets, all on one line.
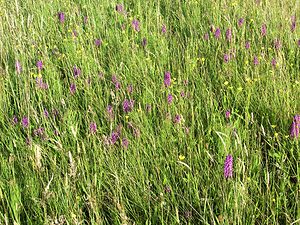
[(149, 112)]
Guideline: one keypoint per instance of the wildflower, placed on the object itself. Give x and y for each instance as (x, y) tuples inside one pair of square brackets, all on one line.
[(109, 111), (128, 105), (119, 8), (187, 130), (206, 36), (125, 143), (117, 85), (273, 62), (85, 19), (61, 17), (39, 65), (228, 34), (167, 79), (264, 30), (144, 42), (55, 113), (75, 33), (295, 127), (98, 42), (299, 43), (226, 58), (255, 61), (56, 132), (181, 157), (93, 127), (40, 83), (240, 22), (15, 120), (39, 132), (136, 131), (277, 44), (228, 166), (247, 45), (114, 78), (76, 72), (72, 88), (227, 114), (182, 94), (293, 25), (136, 25), (167, 189), (46, 113), (217, 33), (170, 99), (164, 29), (18, 67), (25, 122), (130, 89), (28, 141), (177, 119), (114, 137)]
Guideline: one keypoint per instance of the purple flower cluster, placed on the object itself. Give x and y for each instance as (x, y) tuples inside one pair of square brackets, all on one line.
[(241, 22), (73, 88), (98, 42), (228, 34), (167, 79), (293, 23), (164, 29), (228, 164), (18, 67), (128, 105), (217, 33), (25, 122), (295, 127), (41, 84), (170, 98), (76, 71), (263, 30), (116, 82), (93, 127), (136, 25), (39, 65)]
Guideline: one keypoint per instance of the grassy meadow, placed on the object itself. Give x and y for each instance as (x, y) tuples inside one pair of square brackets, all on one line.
[(149, 112)]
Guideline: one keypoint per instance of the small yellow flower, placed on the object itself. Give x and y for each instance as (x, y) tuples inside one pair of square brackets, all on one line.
[(126, 117), (248, 79), (246, 62), (273, 126), (203, 59), (181, 157), (226, 83), (240, 89), (276, 135)]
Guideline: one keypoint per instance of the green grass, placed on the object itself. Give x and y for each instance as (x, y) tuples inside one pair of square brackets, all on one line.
[(77, 178)]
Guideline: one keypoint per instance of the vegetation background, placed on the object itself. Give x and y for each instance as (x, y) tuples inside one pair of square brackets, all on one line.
[(63, 166)]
